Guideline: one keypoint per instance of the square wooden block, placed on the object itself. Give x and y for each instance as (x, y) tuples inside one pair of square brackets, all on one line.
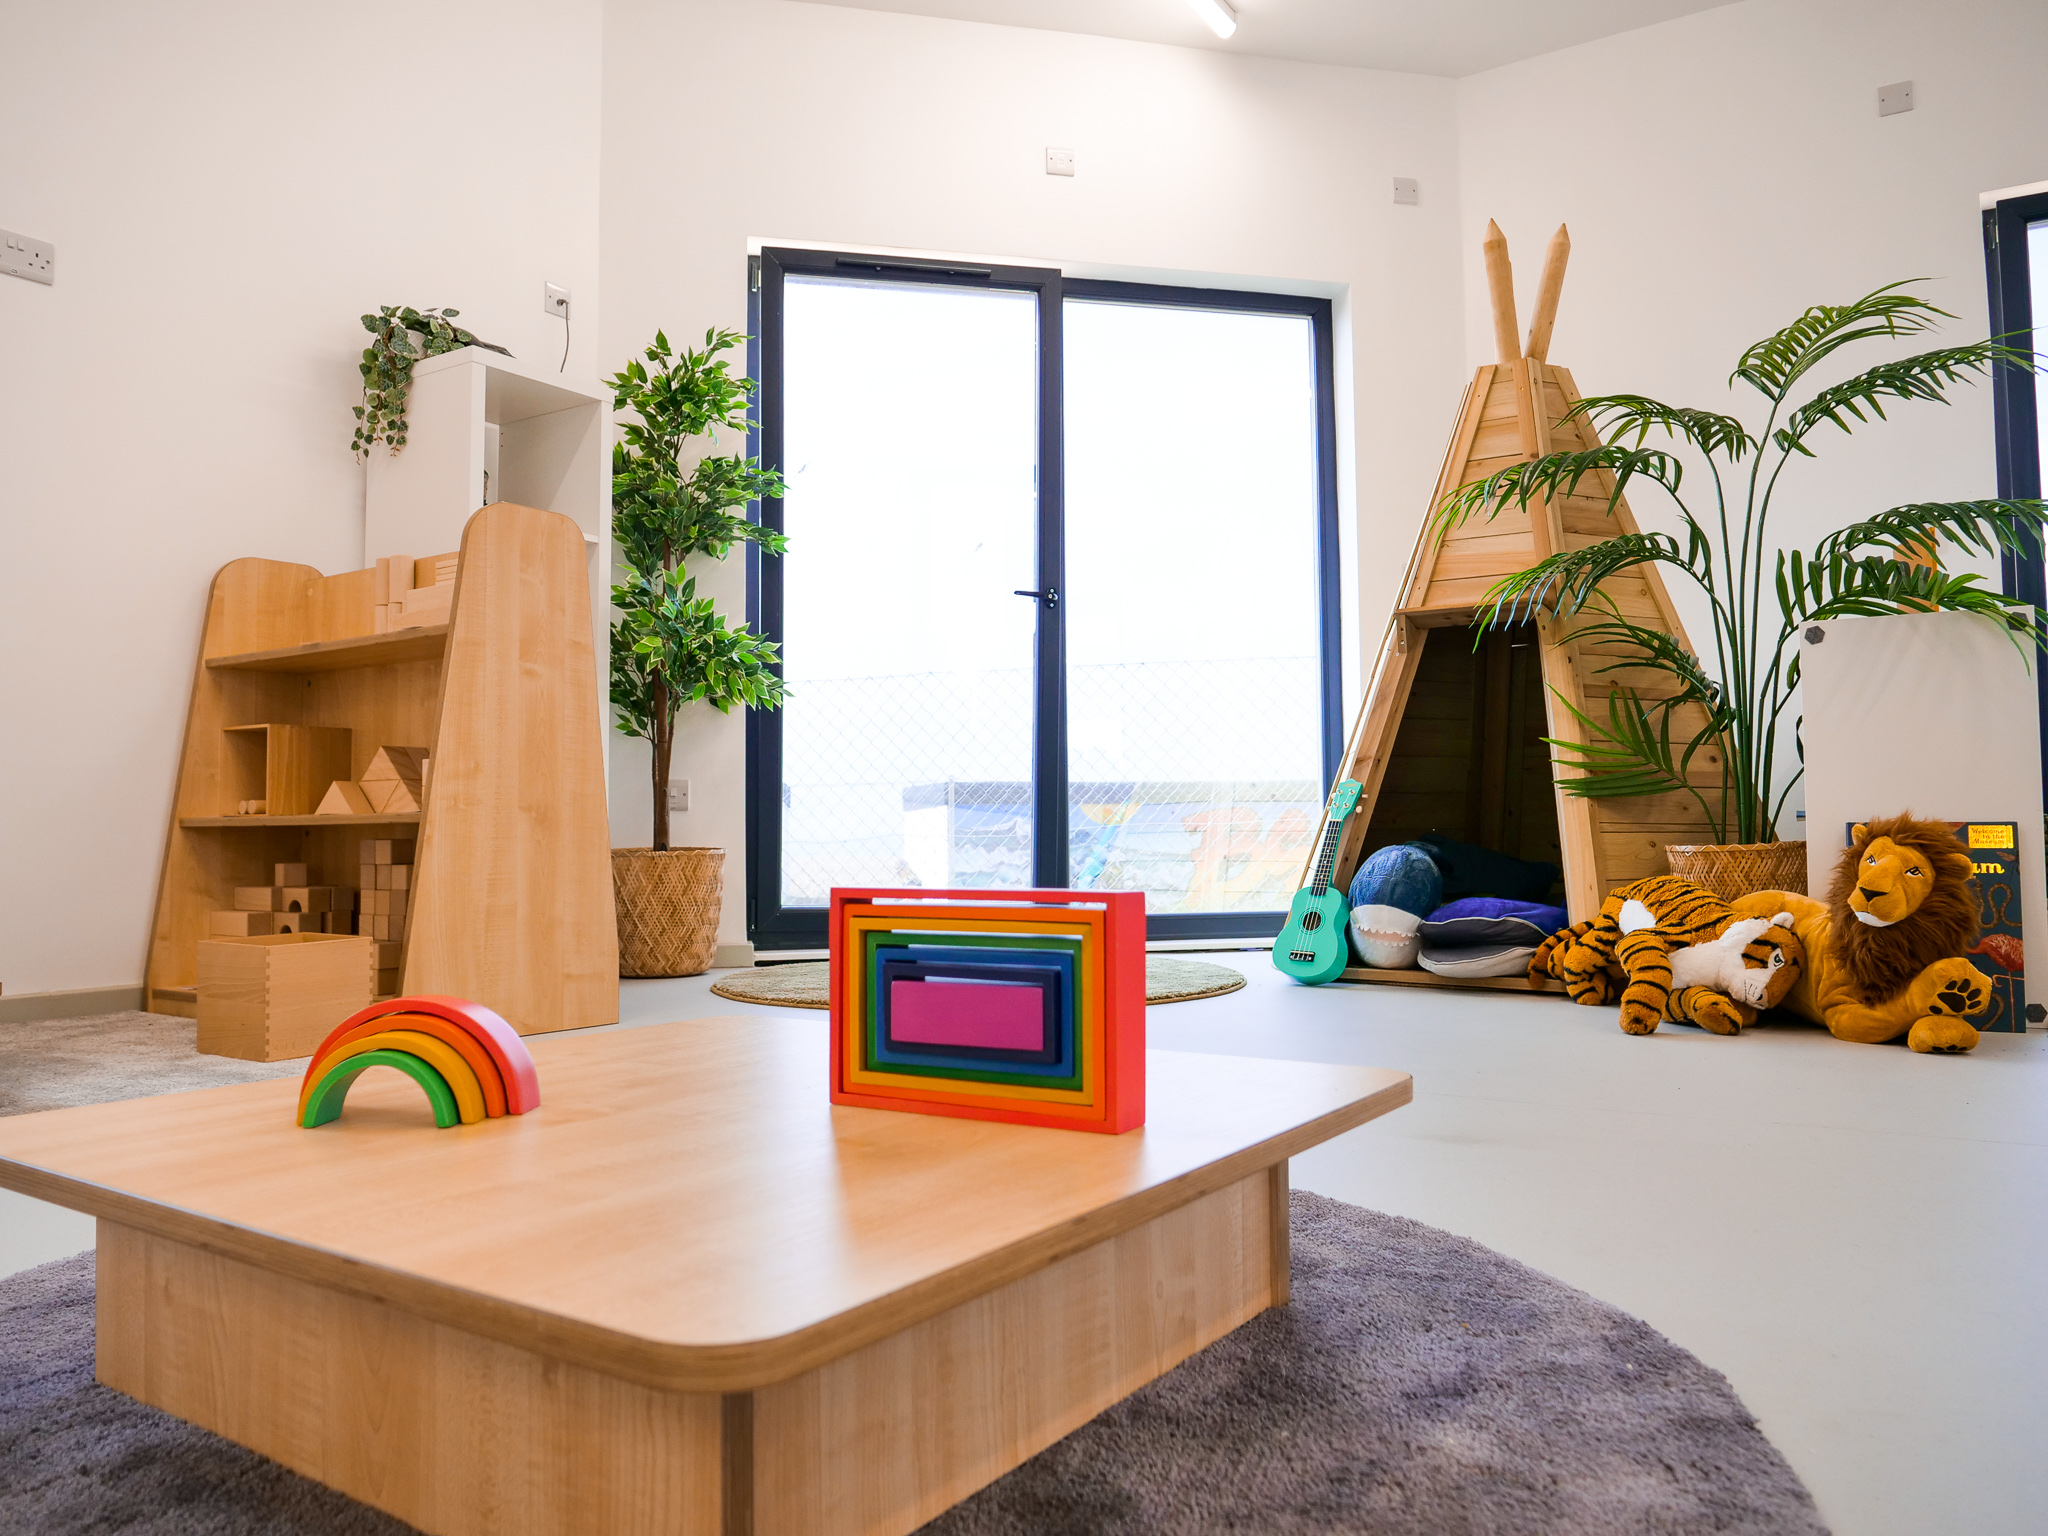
[(387, 850), (237, 925), (276, 996), (258, 898)]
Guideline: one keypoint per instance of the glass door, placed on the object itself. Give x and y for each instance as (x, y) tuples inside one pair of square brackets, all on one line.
[(2016, 263), (960, 712), (1195, 699)]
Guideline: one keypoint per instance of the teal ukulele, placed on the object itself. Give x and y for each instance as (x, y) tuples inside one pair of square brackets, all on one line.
[(1315, 944)]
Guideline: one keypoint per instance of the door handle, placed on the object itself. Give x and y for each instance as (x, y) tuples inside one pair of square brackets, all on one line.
[(1050, 596)]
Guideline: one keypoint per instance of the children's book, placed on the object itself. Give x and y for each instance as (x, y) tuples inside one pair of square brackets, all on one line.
[(1998, 953)]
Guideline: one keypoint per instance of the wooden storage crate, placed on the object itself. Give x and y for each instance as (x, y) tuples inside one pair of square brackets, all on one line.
[(274, 996)]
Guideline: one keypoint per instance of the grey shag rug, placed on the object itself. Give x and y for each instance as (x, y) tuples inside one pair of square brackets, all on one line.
[(806, 983), (54, 1063), (1419, 1385)]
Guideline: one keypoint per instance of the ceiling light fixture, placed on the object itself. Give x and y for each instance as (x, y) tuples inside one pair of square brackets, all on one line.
[(1221, 18)]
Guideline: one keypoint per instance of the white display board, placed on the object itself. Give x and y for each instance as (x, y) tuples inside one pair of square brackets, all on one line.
[(1933, 713)]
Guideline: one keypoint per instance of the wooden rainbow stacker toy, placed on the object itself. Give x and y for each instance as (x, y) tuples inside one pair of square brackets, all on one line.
[(685, 1295)]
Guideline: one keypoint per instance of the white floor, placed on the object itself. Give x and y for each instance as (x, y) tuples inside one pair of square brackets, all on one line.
[(1857, 1236)]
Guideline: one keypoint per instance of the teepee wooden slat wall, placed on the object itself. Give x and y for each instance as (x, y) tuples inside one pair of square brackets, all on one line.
[(1514, 411)]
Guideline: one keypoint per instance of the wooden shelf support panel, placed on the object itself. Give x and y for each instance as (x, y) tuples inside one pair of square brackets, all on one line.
[(513, 905)]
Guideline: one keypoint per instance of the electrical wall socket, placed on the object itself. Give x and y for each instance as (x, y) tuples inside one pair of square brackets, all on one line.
[(1407, 190), (554, 299), (1059, 162), (25, 256), (678, 796), (1895, 98)]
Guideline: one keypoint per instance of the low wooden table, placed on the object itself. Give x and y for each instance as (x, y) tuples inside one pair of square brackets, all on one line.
[(686, 1294)]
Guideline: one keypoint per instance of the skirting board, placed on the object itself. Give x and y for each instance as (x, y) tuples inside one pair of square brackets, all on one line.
[(74, 1003)]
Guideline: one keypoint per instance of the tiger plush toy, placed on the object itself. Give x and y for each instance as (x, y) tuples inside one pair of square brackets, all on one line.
[(1682, 954)]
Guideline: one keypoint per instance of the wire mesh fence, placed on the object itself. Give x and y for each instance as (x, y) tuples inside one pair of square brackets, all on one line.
[(1197, 782)]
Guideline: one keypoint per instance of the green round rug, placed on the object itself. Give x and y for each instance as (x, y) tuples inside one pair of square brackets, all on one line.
[(803, 985)]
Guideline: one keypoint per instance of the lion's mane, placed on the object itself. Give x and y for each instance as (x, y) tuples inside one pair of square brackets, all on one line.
[(1882, 962)]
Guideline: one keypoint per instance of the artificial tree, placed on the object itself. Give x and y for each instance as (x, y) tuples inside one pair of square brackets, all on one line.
[(669, 646), (1886, 563)]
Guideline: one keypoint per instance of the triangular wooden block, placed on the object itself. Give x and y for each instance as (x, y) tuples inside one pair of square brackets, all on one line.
[(395, 763), (392, 797), (1468, 761), (344, 798)]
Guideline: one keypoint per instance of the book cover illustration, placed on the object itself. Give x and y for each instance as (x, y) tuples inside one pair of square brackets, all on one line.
[(1998, 953)]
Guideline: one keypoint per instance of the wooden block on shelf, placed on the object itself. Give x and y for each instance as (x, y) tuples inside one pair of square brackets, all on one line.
[(294, 764), (344, 797), (306, 898), (387, 982), (385, 903), (435, 570), (387, 954), (289, 874), (394, 578), (338, 922), (429, 605), (377, 926), (394, 877), (393, 797), (275, 996), (297, 922), (387, 850), (238, 924), (380, 622), (257, 898), (394, 763)]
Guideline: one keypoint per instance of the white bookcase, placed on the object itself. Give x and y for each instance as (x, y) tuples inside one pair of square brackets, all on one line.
[(481, 428)]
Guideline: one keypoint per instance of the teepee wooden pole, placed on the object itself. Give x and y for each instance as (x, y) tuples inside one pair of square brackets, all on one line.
[(1500, 286), (1547, 291)]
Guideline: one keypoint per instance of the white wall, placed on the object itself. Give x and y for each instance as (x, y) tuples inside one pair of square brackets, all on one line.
[(229, 185), (1723, 171), (821, 124)]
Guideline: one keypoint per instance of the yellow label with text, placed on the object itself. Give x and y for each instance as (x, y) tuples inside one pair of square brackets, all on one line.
[(1990, 836)]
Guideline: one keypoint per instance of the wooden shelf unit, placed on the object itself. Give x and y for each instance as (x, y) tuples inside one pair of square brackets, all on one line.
[(512, 893)]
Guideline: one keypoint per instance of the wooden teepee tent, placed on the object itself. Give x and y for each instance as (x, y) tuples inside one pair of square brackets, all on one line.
[(1512, 411)]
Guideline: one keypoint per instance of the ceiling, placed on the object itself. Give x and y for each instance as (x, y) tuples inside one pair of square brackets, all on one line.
[(1427, 37)]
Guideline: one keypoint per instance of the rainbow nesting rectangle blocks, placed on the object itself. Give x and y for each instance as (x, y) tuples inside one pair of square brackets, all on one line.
[(1026, 1006)]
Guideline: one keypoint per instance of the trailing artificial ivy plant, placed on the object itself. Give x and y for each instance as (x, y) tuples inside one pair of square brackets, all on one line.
[(402, 337), (1760, 598), (670, 646)]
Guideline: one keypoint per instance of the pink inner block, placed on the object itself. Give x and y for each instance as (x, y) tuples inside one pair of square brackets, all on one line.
[(992, 1015)]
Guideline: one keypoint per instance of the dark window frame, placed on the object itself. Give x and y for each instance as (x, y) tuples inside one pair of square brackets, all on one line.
[(2014, 406), (772, 926)]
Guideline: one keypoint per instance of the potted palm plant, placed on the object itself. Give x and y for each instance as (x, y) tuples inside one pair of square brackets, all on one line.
[(1759, 597), (669, 646)]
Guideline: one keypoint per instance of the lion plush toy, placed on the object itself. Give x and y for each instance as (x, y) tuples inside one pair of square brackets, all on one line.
[(1682, 953), (1885, 951)]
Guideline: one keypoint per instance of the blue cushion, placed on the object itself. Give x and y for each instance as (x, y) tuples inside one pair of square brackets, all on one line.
[(1401, 875)]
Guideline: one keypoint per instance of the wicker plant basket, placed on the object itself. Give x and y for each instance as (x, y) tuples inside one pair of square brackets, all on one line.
[(669, 905), (1730, 870)]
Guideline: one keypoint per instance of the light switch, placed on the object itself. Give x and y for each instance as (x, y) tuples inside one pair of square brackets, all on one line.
[(678, 796), (1407, 190), (1059, 162), (1895, 98)]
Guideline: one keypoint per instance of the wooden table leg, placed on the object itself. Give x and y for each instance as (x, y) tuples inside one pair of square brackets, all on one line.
[(1282, 1242)]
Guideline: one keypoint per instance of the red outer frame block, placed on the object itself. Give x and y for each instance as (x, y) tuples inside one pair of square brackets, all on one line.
[(501, 1040), (1123, 1024)]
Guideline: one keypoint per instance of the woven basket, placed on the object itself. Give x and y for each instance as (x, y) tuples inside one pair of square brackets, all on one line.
[(1730, 870), (669, 906)]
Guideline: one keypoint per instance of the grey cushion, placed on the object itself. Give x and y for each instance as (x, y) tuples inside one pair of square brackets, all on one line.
[(1471, 960)]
